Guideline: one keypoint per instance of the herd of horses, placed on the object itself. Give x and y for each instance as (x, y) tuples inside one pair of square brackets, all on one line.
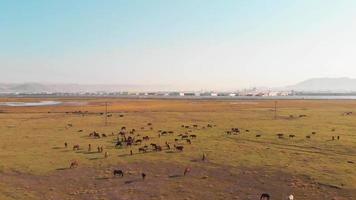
[(237, 131), (131, 139), (175, 142)]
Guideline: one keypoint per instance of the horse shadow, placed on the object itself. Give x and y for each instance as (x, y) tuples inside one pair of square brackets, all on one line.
[(95, 158), (62, 168), (171, 151), (133, 181), (175, 176), (102, 178), (90, 152), (124, 155)]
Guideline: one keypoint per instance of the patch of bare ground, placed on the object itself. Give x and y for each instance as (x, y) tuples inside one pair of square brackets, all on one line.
[(166, 181)]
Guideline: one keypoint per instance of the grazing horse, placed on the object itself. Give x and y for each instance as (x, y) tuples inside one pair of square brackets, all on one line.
[(118, 172), (65, 144), (158, 148), (149, 124), (193, 136), (118, 144), (73, 164), (94, 134), (141, 149), (128, 143), (167, 145), (258, 135), (188, 141), (179, 148), (138, 141), (103, 135), (76, 147), (186, 171), (204, 157), (264, 196), (308, 136), (143, 175), (291, 136), (184, 137), (146, 138)]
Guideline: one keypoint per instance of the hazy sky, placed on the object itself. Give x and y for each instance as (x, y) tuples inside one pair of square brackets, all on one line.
[(194, 43)]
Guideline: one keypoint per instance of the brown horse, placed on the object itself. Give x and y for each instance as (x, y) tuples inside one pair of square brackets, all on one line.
[(73, 164), (179, 148), (76, 147)]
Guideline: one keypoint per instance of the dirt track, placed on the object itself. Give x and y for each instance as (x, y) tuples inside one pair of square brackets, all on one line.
[(165, 181)]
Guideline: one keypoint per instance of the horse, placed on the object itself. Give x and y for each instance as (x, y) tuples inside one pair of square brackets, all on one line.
[(118, 172), (179, 148), (186, 170), (264, 196), (193, 136), (76, 147), (118, 144), (73, 164), (141, 149)]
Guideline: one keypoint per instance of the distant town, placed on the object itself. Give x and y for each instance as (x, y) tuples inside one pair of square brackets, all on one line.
[(253, 93)]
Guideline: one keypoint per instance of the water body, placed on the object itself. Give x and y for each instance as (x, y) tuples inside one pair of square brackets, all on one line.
[(299, 97), (27, 104)]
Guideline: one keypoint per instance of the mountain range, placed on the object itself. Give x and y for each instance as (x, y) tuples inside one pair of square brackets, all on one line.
[(342, 84), (311, 85), (71, 88)]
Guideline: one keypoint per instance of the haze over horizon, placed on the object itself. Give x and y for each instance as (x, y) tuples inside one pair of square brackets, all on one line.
[(196, 44)]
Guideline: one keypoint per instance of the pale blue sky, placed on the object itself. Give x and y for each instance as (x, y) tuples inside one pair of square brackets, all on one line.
[(186, 43)]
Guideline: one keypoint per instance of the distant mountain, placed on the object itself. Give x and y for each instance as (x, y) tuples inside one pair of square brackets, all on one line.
[(72, 88), (326, 85)]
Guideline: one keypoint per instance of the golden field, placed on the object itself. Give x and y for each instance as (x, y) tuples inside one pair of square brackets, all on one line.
[(34, 164)]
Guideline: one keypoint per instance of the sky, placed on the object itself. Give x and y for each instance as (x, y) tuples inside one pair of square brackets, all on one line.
[(193, 44)]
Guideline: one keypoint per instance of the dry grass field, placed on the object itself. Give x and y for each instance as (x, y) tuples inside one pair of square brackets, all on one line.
[(34, 163)]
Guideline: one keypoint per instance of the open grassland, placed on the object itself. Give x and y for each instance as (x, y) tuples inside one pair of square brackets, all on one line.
[(34, 162)]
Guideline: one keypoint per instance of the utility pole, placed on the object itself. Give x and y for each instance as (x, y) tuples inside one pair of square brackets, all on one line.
[(275, 109), (106, 113)]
